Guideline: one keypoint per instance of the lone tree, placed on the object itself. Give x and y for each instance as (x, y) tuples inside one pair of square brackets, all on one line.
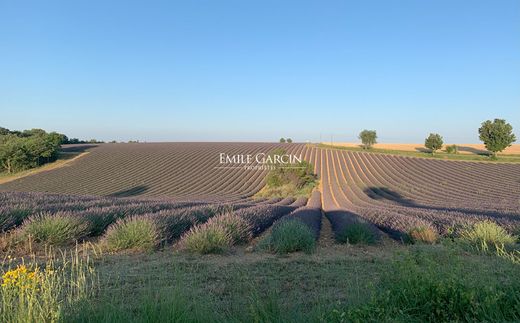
[(434, 142), (282, 140), (368, 138), (496, 135), (289, 140)]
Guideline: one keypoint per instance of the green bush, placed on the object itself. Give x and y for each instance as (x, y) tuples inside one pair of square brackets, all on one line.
[(357, 233), (297, 180), (55, 229), (289, 236), (139, 233), (452, 149), (206, 239)]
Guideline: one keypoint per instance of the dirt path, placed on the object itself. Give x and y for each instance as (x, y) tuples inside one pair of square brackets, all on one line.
[(326, 238)]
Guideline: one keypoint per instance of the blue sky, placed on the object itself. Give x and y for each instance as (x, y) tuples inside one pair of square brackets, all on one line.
[(258, 70)]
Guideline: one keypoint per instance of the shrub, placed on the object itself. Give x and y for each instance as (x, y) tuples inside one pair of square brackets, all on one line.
[(55, 229), (205, 239), (138, 233), (289, 236), (298, 180), (452, 149), (486, 234), (423, 235), (357, 233)]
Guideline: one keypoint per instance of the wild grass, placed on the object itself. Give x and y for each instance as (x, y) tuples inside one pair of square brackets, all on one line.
[(137, 233), (33, 291), (55, 229), (357, 233), (423, 235), (489, 237), (486, 233), (424, 286), (415, 283), (289, 236)]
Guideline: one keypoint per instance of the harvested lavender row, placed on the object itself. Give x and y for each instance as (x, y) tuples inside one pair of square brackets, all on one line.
[(341, 219), (301, 201), (17, 206), (262, 217), (401, 194), (308, 215), (152, 170), (271, 201), (286, 201), (173, 223), (315, 200)]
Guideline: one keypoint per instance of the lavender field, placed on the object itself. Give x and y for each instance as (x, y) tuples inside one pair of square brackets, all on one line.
[(177, 186)]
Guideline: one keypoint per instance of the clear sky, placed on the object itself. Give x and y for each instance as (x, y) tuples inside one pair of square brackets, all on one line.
[(206, 70)]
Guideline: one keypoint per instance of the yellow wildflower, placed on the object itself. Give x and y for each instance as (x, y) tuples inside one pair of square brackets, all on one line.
[(20, 277)]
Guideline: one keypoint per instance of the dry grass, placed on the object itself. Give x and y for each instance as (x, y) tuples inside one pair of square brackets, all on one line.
[(423, 235), (463, 148), (63, 161)]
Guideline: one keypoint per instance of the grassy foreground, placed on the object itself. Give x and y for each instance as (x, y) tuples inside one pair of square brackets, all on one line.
[(337, 283), (502, 158)]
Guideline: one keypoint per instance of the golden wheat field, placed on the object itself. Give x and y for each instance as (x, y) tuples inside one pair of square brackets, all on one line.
[(463, 148)]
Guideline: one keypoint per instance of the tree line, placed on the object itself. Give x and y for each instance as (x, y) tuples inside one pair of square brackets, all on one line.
[(496, 135), (22, 150)]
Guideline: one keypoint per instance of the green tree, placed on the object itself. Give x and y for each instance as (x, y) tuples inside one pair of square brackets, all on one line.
[(28, 149), (434, 142), (58, 138), (497, 135), (282, 140), (15, 155), (4, 131), (368, 138), (289, 140), (34, 132)]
